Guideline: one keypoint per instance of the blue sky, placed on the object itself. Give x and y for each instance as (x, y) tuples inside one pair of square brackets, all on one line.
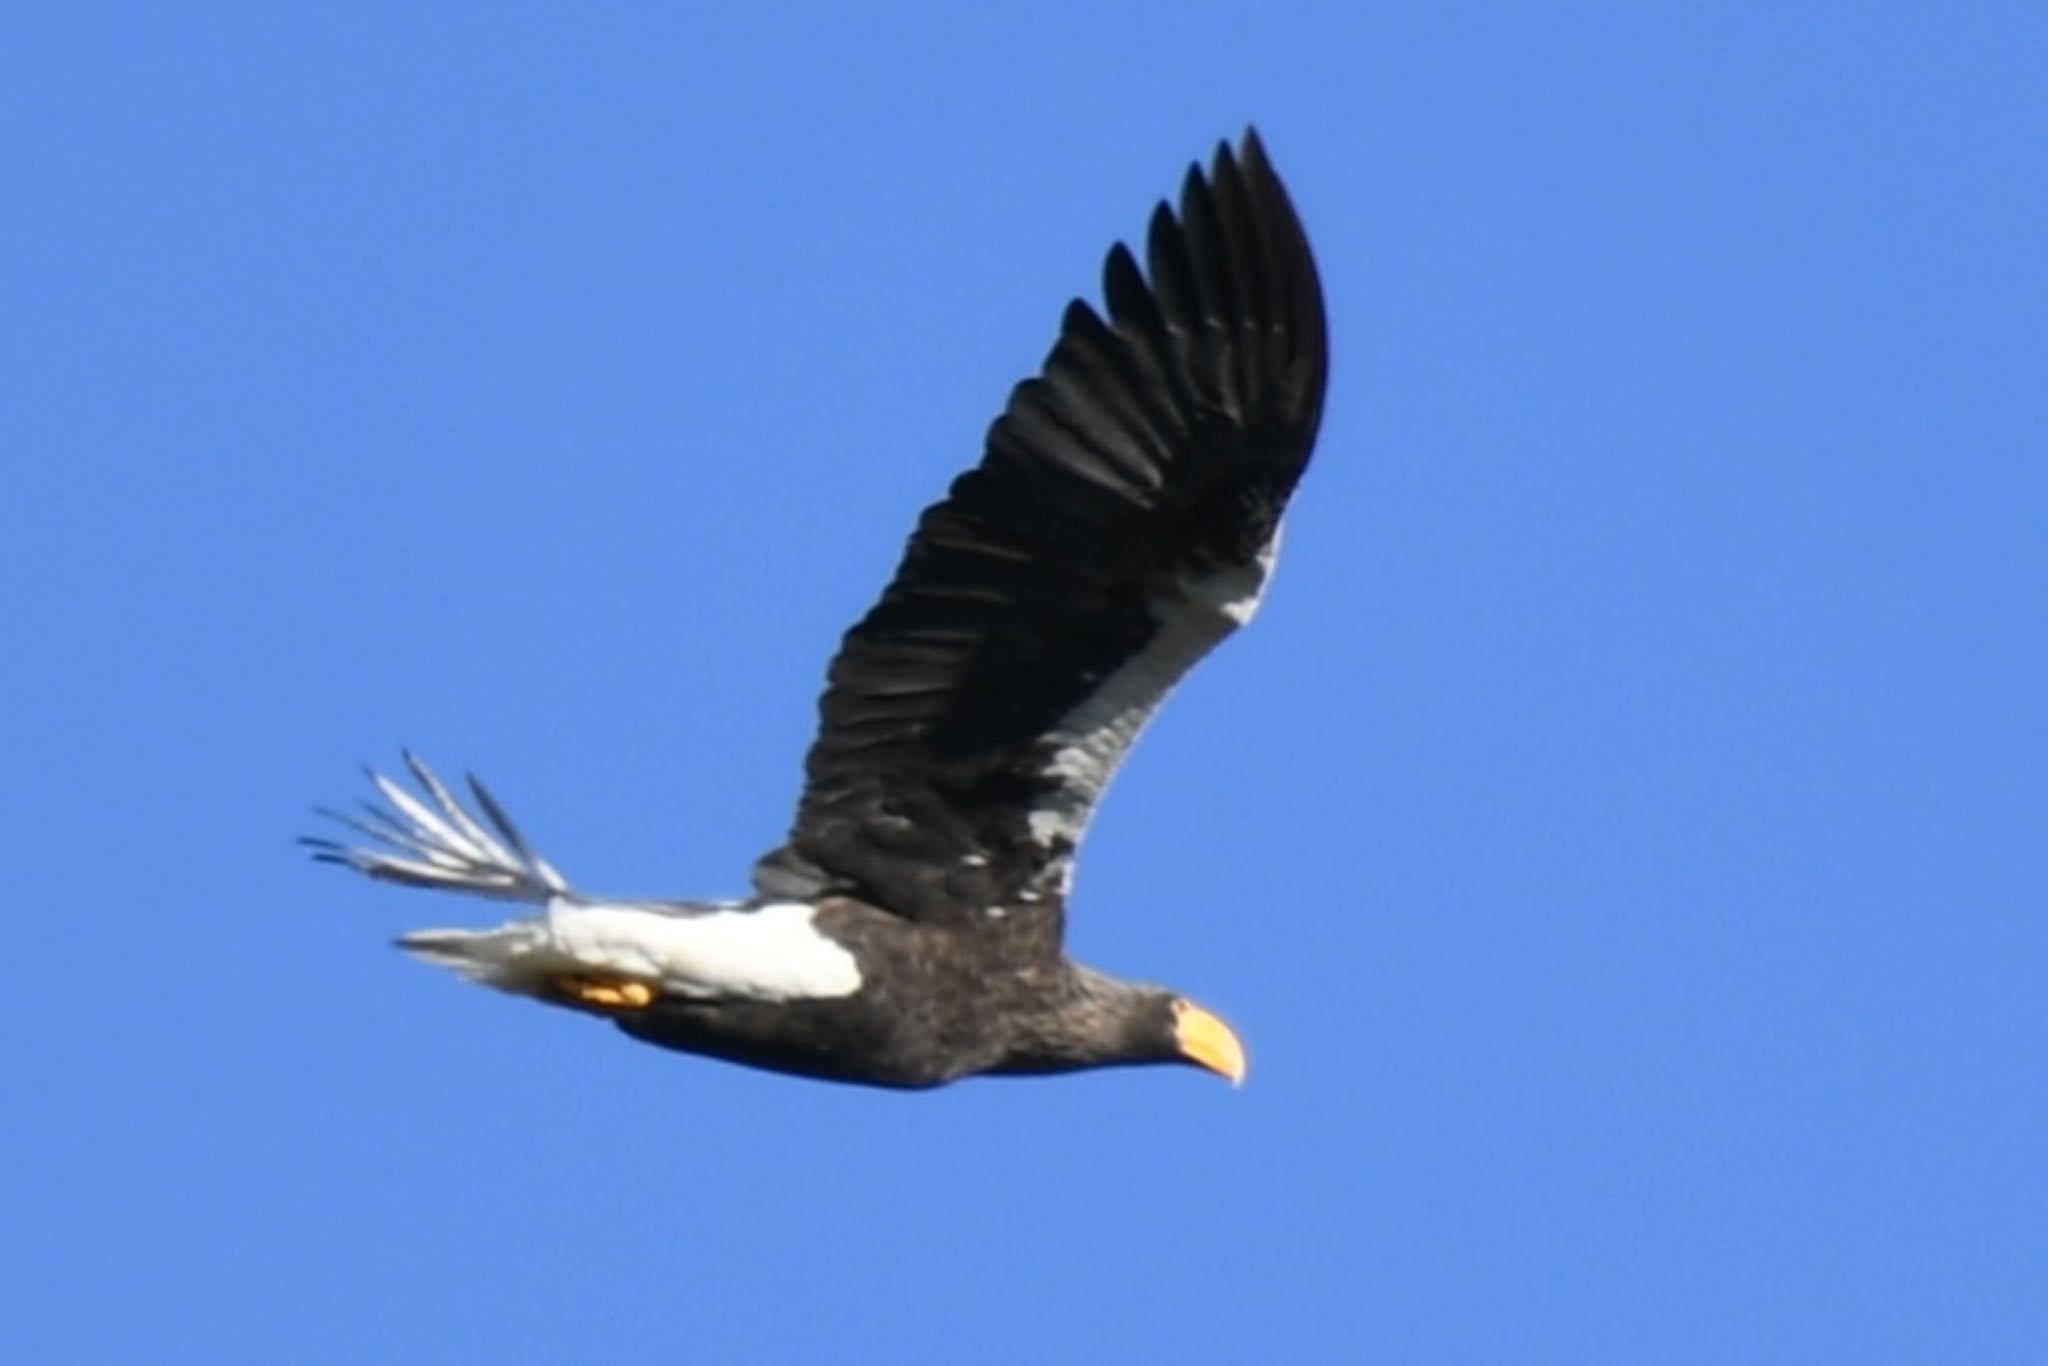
[(1619, 841)]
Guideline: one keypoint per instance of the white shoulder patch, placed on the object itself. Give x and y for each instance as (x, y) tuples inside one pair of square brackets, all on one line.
[(1237, 592), (1090, 741)]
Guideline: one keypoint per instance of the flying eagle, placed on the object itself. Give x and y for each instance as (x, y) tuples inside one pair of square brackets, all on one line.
[(1123, 519)]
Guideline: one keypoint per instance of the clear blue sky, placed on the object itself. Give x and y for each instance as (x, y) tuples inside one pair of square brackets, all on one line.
[(1619, 841)]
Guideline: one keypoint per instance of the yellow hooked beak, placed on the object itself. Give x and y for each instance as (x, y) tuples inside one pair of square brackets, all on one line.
[(1207, 1041)]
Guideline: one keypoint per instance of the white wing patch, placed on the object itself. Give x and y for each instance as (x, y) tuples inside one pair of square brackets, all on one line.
[(773, 952), (1090, 742), (1237, 591)]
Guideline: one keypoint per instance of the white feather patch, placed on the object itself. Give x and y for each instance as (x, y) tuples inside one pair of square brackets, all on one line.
[(773, 952), (1091, 740), (1237, 591)]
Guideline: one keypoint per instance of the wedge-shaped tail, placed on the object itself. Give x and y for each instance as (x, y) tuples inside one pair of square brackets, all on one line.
[(569, 949), (438, 843)]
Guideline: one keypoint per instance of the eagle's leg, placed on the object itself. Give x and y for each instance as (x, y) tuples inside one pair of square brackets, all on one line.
[(602, 994)]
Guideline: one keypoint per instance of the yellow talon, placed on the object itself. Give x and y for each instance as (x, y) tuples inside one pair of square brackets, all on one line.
[(621, 995)]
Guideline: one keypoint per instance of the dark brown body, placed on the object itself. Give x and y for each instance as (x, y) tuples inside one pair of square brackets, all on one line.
[(937, 1003)]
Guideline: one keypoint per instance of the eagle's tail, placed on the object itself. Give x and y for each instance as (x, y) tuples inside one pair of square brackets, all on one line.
[(437, 843)]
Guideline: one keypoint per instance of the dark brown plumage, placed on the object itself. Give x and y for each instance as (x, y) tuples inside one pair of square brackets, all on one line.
[(1122, 520)]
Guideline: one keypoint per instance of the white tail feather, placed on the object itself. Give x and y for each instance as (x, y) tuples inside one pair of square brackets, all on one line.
[(441, 844), (771, 951)]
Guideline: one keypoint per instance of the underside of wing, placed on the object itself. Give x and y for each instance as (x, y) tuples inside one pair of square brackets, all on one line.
[(1123, 519)]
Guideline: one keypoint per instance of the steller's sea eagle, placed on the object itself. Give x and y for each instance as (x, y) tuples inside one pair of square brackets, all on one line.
[(1123, 519)]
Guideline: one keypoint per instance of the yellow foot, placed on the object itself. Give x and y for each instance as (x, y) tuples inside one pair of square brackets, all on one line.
[(602, 995)]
